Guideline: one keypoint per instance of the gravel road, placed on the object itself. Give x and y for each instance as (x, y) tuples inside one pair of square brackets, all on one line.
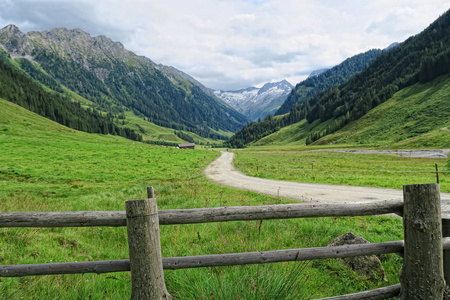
[(223, 171)]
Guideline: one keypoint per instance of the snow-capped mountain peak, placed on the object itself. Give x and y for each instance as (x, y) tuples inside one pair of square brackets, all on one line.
[(257, 102)]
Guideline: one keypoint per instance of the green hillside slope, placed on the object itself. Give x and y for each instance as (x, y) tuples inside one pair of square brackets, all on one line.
[(418, 113), (302, 91), (415, 117), (421, 58)]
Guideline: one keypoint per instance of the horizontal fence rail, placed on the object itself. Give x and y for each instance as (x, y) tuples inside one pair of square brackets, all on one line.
[(203, 215), (174, 263), (214, 260)]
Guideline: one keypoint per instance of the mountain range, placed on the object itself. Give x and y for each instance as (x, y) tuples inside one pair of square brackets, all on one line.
[(96, 85), (104, 76), (256, 103)]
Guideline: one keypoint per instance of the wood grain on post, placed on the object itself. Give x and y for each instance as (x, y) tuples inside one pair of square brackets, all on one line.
[(147, 276), (422, 275)]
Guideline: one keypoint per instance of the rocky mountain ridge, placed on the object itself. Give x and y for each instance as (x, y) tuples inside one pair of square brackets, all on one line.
[(256, 102)]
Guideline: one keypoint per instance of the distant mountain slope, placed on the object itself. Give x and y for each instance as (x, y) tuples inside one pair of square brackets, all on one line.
[(325, 79), (115, 79), (255, 102)]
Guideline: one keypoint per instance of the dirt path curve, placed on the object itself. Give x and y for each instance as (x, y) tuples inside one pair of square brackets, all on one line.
[(223, 171)]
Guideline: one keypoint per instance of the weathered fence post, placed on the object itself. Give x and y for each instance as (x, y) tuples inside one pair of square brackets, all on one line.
[(147, 276), (150, 192), (422, 275)]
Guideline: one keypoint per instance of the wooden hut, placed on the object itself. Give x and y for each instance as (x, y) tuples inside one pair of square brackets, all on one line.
[(186, 146)]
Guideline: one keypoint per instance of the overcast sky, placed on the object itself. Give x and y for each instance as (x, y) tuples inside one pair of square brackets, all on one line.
[(232, 44)]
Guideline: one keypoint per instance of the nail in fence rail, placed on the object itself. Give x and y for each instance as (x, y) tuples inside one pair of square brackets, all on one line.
[(420, 222)]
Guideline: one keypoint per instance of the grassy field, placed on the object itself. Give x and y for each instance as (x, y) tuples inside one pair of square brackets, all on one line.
[(47, 167)]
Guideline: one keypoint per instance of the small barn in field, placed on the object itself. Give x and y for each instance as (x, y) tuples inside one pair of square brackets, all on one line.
[(186, 146)]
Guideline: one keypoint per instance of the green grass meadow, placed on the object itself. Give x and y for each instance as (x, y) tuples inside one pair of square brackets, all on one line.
[(47, 167)]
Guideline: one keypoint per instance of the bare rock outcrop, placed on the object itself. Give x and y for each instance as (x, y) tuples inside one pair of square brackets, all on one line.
[(369, 266)]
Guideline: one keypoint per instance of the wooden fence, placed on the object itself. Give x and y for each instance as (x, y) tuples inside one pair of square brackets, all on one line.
[(422, 275)]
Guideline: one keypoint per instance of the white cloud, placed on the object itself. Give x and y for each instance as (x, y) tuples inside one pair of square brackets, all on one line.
[(231, 44)]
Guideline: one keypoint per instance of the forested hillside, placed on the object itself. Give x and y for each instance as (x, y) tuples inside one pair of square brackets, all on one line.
[(419, 59), (334, 76), (415, 117), (19, 89), (115, 79)]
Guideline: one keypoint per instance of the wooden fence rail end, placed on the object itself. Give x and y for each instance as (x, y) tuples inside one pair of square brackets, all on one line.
[(63, 219), (376, 294)]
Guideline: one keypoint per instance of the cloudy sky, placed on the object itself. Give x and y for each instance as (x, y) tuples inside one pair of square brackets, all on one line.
[(232, 44)]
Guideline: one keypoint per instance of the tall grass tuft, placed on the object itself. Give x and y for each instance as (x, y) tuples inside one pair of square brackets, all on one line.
[(283, 281)]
